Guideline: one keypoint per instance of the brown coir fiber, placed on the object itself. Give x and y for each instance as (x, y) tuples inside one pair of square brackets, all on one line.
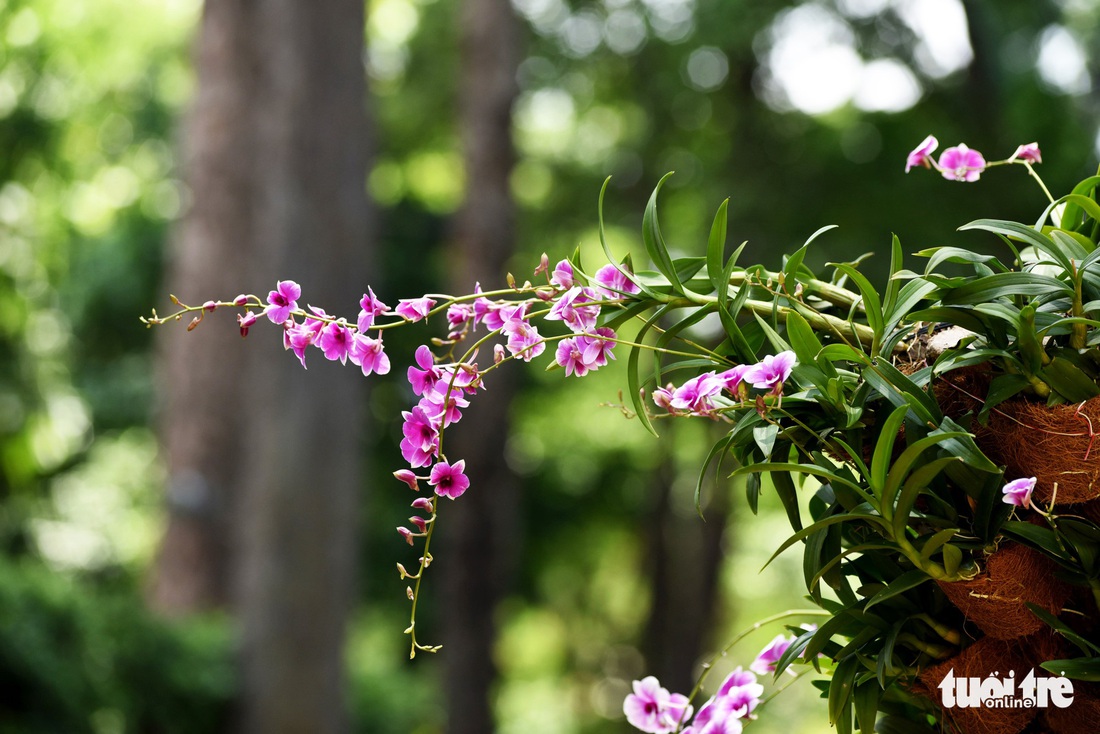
[(986, 657), (996, 599), (1081, 716), (1059, 445)]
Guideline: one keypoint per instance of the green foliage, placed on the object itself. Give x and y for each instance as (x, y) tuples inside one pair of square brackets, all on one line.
[(904, 495), (73, 659)]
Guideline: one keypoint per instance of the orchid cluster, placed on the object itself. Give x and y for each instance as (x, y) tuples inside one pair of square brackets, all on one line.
[(700, 395), (652, 709), (826, 384), (444, 384), (960, 163)]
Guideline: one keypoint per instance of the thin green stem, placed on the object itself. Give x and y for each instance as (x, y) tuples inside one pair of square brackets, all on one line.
[(708, 666)]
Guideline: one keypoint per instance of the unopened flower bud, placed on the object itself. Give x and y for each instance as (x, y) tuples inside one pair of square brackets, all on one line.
[(401, 570), (498, 354), (544, 264), (406, 534), (422, 503), (420, 523), (544, 294), (246, 320), (194, 322), (240, 300), (511, 280), (174, 299), (408, 478), (209, 306), (409, 593)]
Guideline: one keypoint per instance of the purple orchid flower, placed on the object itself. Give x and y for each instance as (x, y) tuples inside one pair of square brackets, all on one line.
[(922, 154), (1018, 492), (449, 480), (961, 163), (771, 372)]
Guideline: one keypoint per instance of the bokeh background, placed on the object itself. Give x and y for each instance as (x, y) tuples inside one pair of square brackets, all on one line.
[(197, 535)]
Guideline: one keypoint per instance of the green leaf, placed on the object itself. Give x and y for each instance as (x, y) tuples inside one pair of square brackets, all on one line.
[(939, 255), (900, 390), (840, 693), (752, 492), (790, 268), (885, 664), (918, 480), (823, 523), (908, 580), (867, 696), (1075, 668), (909, 296), (633, 381), (871, 302), (649, 292), (1005, 285), (1068, 381), (788, 495), (952, 559), (803, 340), (1001, 388), (1063, 629), (933, 544), (1026, 234), (765, 438), (904, 724), (716, 246), (1071, 216), (817, 471), (843, 353), (964, 447), (884, 447), (655, 241), (893, 286), (720, 447)]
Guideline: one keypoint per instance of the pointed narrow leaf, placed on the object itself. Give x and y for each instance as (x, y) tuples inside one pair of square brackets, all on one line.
[(900, 585), (716, 247), (1076, 668), (883, 454), (655, 241)]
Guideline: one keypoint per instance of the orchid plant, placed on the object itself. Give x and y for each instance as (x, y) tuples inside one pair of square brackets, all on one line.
[(824, 385)]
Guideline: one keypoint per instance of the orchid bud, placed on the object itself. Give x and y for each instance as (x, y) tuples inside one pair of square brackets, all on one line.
[(401, 570), (544, 265), (409, 593), (209, 306), (406, 476), (240, 300), (498, 354), (246, 320), (422, 503), (420, 523), (406, 534), (194, 322)]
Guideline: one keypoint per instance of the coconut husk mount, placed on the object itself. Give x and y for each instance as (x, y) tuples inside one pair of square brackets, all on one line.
[(1059, 446)]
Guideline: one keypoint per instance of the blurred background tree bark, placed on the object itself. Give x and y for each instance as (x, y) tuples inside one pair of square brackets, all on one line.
[(264, 458), (481, 532)]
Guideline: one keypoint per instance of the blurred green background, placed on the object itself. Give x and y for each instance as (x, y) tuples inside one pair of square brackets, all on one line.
[(800, 112)]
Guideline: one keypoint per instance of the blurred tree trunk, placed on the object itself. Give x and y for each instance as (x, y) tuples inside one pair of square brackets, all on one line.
[(264, 457), (684, 555), (479, 530)]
